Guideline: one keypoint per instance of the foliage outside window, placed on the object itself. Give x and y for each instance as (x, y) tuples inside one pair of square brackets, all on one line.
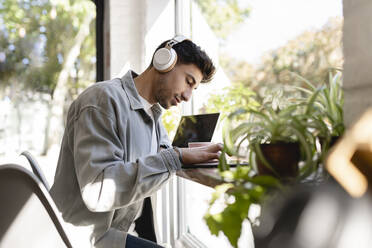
[(310, 55), (223, 16), (47, 48), (170, 119)]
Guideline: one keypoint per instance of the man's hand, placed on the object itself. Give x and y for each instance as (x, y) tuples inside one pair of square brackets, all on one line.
[(201, 154)]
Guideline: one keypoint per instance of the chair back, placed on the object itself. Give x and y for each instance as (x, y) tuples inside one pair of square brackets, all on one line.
[(27, 212), (36, 168)]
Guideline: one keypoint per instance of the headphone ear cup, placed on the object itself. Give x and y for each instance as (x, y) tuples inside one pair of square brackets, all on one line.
[(164, 59)]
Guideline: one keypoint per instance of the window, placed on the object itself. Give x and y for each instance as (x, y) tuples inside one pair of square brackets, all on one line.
[(257, 53), (47, 56)]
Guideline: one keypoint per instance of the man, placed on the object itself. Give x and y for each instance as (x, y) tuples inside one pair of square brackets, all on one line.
[(115, 151)]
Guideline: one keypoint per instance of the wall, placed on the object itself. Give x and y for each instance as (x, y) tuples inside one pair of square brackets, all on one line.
[(136, 27), (357, 42)]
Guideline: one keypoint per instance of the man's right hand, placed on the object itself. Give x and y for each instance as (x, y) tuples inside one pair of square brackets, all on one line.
[(201, 154)]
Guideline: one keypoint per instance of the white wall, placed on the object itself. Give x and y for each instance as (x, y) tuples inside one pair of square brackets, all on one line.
[(357, 42), (126, 34), (136, 28), (159, 26)]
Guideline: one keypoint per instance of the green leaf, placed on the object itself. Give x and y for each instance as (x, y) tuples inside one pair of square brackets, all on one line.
[(242, 172), (265, 181), (232, 218), (311, 101), (307, 82), (256, 194), (306, 91), (228, 174), (219, 190), (222, 162), (213, 225)]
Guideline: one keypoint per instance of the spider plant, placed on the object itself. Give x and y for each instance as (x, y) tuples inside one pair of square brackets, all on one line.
[(328, 108), (272, 124)]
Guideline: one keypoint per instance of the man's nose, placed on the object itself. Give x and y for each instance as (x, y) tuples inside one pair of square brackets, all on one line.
[(186, 95)]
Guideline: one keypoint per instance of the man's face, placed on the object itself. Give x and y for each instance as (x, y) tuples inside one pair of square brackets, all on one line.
[(177, 85)]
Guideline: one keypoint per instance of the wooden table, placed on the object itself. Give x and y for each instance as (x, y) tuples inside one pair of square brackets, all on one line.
[(205, 176)]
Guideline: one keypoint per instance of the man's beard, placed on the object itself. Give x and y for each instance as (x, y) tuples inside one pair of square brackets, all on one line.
[(162, 95), (163, 101)]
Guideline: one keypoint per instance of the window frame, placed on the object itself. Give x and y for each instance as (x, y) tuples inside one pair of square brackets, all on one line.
[(100, 16), (178, 216)]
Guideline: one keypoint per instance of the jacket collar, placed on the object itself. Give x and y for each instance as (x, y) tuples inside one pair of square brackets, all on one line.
[(133, 96)]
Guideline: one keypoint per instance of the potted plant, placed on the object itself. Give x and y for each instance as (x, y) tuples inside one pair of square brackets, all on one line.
[(299, 123), (328, 108), (277, 137), (271, 127)]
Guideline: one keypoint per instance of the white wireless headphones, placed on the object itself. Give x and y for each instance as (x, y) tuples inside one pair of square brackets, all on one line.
[(166, 57)]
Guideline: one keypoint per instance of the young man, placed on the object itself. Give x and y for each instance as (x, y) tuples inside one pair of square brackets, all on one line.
[(115, 151)]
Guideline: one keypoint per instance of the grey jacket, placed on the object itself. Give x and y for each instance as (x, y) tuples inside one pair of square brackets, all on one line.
[(104, 171)]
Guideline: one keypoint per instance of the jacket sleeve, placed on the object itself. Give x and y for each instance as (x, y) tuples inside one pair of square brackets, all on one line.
[(106, 181)]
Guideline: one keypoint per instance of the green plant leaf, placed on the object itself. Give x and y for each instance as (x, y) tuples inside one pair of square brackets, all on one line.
[(306, 91), (213, 225), (310, 103), (219, 190), (307, 82), (265, 181), (242, 172), (222, 162), (287, 111)]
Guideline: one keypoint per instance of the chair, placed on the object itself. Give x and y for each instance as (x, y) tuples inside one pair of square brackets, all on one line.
[(144, 225), (36, 168), (27, 213)]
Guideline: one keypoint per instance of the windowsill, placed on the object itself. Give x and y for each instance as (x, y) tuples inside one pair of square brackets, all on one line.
[(187, 240)]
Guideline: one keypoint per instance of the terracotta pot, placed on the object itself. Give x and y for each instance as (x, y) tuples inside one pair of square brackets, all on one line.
[(283, 158), (333, 140)]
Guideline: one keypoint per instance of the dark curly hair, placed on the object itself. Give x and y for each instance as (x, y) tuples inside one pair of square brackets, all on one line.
[(189, 53)]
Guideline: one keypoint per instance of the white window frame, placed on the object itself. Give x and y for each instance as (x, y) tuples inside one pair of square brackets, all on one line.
[(174, 227), (175, 190)]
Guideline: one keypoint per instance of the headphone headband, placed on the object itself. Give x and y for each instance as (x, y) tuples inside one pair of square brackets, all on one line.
[(176, 39), (179, 38)]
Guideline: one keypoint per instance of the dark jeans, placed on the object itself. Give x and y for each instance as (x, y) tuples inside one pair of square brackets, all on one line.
[(136, 242)]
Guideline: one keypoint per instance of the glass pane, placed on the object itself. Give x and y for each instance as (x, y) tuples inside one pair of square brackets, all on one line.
[(47, 56), (258, 43)]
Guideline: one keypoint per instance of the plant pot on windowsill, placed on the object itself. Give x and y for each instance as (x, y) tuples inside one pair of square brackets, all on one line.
[(331, 142), (282, 157)]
